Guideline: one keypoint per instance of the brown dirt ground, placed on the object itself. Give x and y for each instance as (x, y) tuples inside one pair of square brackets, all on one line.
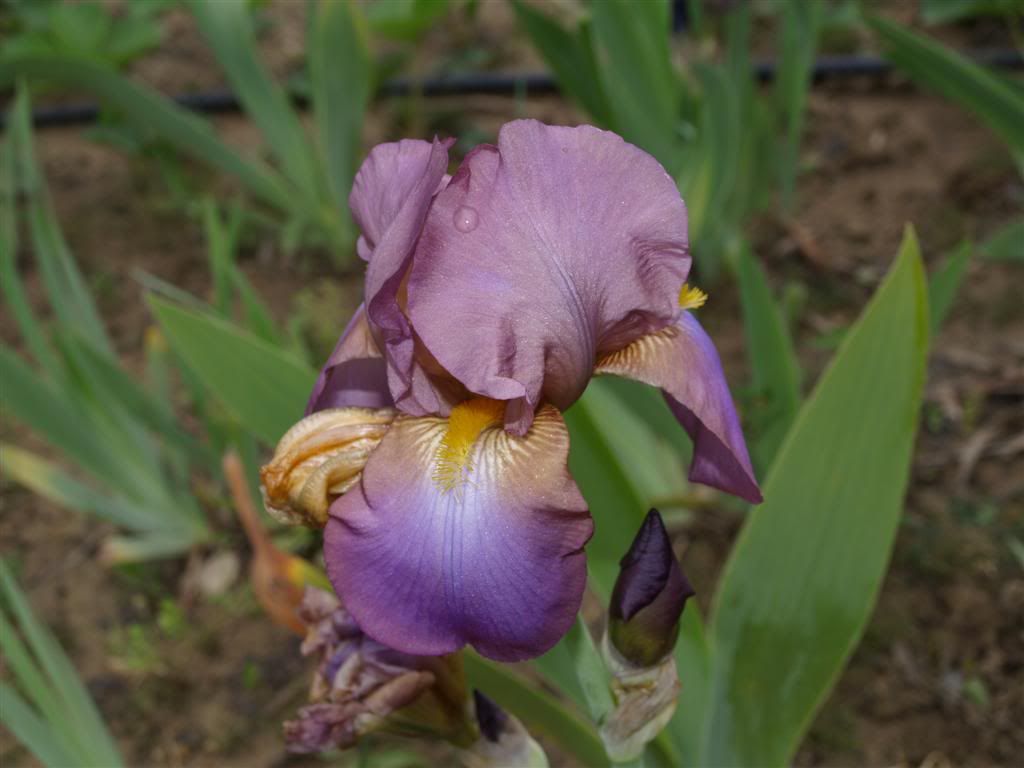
[(939, 677)]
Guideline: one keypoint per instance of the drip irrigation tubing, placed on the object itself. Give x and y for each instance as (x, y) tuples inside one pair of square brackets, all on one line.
[(223, 101)]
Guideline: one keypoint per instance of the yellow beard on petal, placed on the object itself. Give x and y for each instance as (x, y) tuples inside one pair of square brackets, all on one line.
[(691, 297), (453, 460)]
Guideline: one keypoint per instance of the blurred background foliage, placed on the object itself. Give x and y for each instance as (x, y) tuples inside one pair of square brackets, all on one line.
[(242, 167)]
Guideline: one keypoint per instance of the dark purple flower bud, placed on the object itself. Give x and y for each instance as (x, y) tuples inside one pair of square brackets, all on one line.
[(503, 740), (362, 686), (648, 599), (490, 717)]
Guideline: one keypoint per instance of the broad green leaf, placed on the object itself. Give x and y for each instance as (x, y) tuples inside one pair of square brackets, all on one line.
[(262, 386), (802, 578), (540, 712), (956, 77), (591, 673), (621, 470), (773, 361), (227, 27), (156, 117), (1007, 244), (557, 666), (649, 405), (693, 661), (944, 284), (635, 68), (570, 55), (340, 74)]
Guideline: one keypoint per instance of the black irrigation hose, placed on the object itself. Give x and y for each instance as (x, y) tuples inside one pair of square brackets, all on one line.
[(502, 84)]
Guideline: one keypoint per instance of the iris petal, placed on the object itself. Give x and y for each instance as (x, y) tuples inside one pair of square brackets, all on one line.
[(682, 360), (390, 199), (496, 562), (355, 374), (555, 246)]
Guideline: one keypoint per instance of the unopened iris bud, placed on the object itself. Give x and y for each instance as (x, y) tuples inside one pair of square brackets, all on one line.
[(503, 742), (643, 625), (361, 686), (318, 459), (648, 599)]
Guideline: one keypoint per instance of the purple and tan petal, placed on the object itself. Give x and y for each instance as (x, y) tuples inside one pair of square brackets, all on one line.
[(428, 561), (683, 362)]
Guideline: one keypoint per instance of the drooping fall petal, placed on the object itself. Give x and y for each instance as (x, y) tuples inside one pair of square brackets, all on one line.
[(682, 360), (555, 246), (461, 533)]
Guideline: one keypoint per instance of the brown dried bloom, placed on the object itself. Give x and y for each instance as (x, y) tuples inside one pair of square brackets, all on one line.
[(319, 459)]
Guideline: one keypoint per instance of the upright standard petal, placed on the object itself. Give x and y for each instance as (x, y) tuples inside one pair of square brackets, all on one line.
[(542, 253), (682, 360), (391, 175), (390, 199), (460, 532), (355, 374)]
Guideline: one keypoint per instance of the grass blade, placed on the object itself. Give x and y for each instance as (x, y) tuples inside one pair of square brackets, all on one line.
[(42, 408), (1007, 244), (10, 281), (634, 66), (157, 118), (83, 722), (944, 284), (956, 77), (48, 480), (570, 55), (802, 578), (801, 22), (340, 75), (66, 289), (31, 730), (226, 25)]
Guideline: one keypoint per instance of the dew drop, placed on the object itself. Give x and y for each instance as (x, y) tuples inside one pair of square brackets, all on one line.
[(466, 219)]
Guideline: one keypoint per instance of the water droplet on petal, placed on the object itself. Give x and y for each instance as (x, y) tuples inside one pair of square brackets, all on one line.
[(466, 218)]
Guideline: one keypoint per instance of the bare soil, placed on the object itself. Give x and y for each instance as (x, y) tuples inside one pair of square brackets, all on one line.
[(939, 677)]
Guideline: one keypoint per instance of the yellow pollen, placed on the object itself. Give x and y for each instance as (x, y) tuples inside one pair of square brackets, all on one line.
[(691, 297), (453, 460)]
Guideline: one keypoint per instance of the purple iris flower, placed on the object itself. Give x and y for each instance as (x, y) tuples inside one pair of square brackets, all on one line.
[(492, 298)]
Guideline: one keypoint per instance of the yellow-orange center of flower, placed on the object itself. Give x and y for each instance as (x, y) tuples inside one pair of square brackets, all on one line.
[(454, 457), (691, 297)]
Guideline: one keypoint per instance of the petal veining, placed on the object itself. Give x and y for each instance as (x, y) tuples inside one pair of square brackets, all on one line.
[(494, 560), (542, 253)]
